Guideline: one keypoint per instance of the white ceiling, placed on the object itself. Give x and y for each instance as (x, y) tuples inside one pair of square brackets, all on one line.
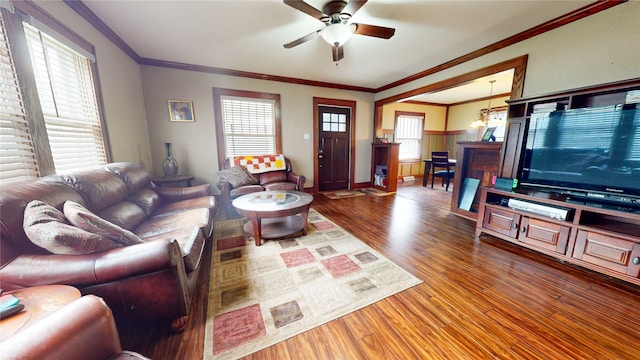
[(247, 35)]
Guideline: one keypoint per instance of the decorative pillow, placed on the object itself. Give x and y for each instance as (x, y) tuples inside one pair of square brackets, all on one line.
[(81, 217), (237, 176), (47, 228)]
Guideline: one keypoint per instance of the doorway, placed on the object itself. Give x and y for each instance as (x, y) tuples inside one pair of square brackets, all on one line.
[(333, 144)]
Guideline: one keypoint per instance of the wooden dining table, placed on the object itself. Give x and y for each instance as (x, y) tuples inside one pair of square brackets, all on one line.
[(427, 169)]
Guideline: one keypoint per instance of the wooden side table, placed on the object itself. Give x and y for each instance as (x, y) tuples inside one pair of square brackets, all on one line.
[(159, 181), (39, 302)]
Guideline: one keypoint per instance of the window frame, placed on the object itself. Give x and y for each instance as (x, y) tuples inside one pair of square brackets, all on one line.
[(218, 93), (419, 139), (26, 77)]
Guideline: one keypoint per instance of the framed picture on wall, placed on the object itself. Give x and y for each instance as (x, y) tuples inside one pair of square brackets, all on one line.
[(181, 110)]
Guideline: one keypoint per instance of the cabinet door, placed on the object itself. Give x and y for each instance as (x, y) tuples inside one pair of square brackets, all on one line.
[(512, 148), (502, 221), (544, 235), (607, 251)]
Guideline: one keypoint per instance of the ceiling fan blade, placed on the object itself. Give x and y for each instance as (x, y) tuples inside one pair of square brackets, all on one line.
[(306, 8), (303, 39), (338, 53), (373, 30), (353, 6)]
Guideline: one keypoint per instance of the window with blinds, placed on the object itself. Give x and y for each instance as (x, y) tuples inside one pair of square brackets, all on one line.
[(17, 157), (408, 132), (249, 125), (64, 81)]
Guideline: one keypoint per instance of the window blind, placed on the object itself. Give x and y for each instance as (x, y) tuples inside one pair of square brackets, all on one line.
[(576, 130), (249, 126), (17, 157), (408, 132), (634, 153), (67, 96)]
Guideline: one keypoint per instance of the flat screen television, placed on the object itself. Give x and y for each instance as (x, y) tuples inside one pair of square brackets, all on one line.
[(590, 154)]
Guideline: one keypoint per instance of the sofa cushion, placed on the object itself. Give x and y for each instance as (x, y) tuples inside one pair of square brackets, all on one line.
[(237, 176), (273, 176), (79, 216), (47, 228), (245, 190), (125, 214), (191, 241), (100, 189), (147, 199), (280, 186)]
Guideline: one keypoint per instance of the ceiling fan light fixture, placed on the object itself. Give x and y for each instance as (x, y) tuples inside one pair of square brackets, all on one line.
[(337, 34)]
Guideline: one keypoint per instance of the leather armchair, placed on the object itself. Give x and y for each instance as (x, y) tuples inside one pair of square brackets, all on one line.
[(272, 180), (83, 329)]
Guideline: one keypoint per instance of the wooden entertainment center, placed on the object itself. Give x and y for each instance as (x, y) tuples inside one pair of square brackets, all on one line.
[(599, 236)]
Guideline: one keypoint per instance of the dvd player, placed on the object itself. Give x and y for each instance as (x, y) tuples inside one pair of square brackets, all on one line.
[(554, 212)]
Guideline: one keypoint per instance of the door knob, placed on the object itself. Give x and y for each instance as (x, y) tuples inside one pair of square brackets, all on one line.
[(636, 260)]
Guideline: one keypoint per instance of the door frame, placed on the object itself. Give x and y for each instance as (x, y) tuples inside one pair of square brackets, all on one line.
[(317, 101)]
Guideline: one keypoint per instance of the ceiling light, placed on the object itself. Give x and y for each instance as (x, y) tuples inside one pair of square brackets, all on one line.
[(484, 117), (337, 33)]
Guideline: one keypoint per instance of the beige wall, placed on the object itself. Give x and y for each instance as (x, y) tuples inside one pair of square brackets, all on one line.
[(461, 116), (598, 49), (194, 144), (435, 116), (121, 89)]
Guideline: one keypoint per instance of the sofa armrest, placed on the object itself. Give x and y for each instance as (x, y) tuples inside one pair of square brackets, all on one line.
[(81, 270), (83, 329), (298, 179), (225, 188), (171, 194)]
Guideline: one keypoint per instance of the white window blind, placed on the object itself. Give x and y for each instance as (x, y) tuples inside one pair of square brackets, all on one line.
[(68, 100), (576, 130), (17, 157), (249, 126), (408, 132)]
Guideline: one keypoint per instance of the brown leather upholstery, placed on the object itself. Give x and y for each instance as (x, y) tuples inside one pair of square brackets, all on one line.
[(154, 279), (83, 329), (272, 180)]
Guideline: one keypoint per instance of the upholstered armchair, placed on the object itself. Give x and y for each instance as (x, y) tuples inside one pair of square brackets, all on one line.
[(83, 329), (237, 180)]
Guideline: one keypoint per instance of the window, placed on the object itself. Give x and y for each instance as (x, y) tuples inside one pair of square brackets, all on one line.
[(68, 101), (58, 127), (247, 123), (17, 157), (408, 132)]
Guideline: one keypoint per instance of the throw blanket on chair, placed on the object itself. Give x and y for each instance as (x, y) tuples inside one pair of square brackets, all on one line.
[(260, 164)]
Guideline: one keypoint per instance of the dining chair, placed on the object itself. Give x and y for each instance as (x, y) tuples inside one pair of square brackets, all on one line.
[(440, 160)]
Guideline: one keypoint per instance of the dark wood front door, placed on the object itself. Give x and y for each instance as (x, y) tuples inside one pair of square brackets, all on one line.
[(333, 147)]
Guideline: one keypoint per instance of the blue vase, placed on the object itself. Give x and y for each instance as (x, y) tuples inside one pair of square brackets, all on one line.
[(169, 164)]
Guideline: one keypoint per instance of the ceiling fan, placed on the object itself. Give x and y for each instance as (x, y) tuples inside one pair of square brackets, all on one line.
[(336, 15)]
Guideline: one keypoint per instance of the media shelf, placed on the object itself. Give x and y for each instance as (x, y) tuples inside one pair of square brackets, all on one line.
[(604, 240), (384, 166)]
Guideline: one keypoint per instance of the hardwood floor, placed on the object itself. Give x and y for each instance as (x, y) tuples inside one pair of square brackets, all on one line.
[(480, 299)]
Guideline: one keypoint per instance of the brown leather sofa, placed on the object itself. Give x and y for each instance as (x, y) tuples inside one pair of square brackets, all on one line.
[(271, 180), (83, 329), (153, 279)]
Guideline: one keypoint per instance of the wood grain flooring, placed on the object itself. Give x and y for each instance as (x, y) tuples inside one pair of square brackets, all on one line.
[(481, 299)]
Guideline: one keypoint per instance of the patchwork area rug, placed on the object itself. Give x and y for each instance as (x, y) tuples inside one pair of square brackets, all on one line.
[(341, 194), (262, 295)]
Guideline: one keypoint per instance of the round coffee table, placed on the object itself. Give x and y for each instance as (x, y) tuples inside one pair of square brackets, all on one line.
[(274, 214)]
